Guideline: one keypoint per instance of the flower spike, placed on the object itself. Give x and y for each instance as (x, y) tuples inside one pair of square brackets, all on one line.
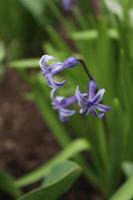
[(89, 102)]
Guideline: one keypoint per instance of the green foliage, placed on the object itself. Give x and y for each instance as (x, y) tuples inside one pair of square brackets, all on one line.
[(70, 151), (25, 63), (128, 168), (102, 35), (125, 192), (7, 185), (58, 182)]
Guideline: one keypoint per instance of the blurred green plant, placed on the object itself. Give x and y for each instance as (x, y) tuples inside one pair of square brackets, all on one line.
[(58, 182), (101, 33)]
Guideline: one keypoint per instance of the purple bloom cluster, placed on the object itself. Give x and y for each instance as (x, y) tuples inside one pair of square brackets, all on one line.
[(49, 71), (60, 104), (89, 102)]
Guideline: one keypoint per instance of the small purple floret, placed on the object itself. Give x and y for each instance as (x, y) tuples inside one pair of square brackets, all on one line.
[(90, 101), (61, 103), (49, 71)]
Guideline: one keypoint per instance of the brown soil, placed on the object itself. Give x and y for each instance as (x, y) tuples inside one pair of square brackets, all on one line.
[(25, 141)]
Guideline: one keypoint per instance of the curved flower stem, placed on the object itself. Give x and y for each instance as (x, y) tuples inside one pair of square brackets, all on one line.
[(86, 69)]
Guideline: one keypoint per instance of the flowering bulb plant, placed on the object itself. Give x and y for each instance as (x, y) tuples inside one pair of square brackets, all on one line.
[(99, 32)]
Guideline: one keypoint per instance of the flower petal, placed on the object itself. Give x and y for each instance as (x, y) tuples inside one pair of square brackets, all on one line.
[(55, 68), (52, 93), (97, 114), (91, 89), (44, 60), (100, 115), (56, 102), (103, 108), (70, 62), (62, 102), (52, 83), (85, 110), (82, 101), (93, 111), (98, 97), (65, 113)]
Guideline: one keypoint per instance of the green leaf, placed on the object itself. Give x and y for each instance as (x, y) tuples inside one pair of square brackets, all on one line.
[(92, 34), (84, 35), (70, 151), (125, 192), (25, 63), (7, 185), (117, 139), (128, 168), (59, 181)]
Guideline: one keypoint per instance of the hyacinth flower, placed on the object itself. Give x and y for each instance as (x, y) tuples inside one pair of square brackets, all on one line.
[(49, 71), (68, 4), (61, 103), (90, 101)]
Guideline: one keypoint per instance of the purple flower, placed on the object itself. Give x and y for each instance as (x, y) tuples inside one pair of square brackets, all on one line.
[(68, 4), (90, 102), (60, 103), (49, 71)]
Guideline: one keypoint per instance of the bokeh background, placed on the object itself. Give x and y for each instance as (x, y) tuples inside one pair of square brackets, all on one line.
[(99, 32)]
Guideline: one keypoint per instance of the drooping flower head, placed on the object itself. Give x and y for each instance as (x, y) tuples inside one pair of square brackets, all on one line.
[(49, 71), (90, 101), (61, 103), (68, 4)]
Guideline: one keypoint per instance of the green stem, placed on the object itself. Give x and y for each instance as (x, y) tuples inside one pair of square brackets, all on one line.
[(125, 192)]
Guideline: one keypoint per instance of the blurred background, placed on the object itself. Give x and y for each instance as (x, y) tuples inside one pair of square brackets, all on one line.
[(95, 30), (25, 139)]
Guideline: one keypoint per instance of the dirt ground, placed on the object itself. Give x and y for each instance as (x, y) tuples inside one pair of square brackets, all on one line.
[(25, 141)]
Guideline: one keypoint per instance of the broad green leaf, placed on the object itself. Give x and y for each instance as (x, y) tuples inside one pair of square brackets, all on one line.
[(60, 171), (59, 181), (70, 151), (125, 192), (25, 63), (128, 168), (7, 185)]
